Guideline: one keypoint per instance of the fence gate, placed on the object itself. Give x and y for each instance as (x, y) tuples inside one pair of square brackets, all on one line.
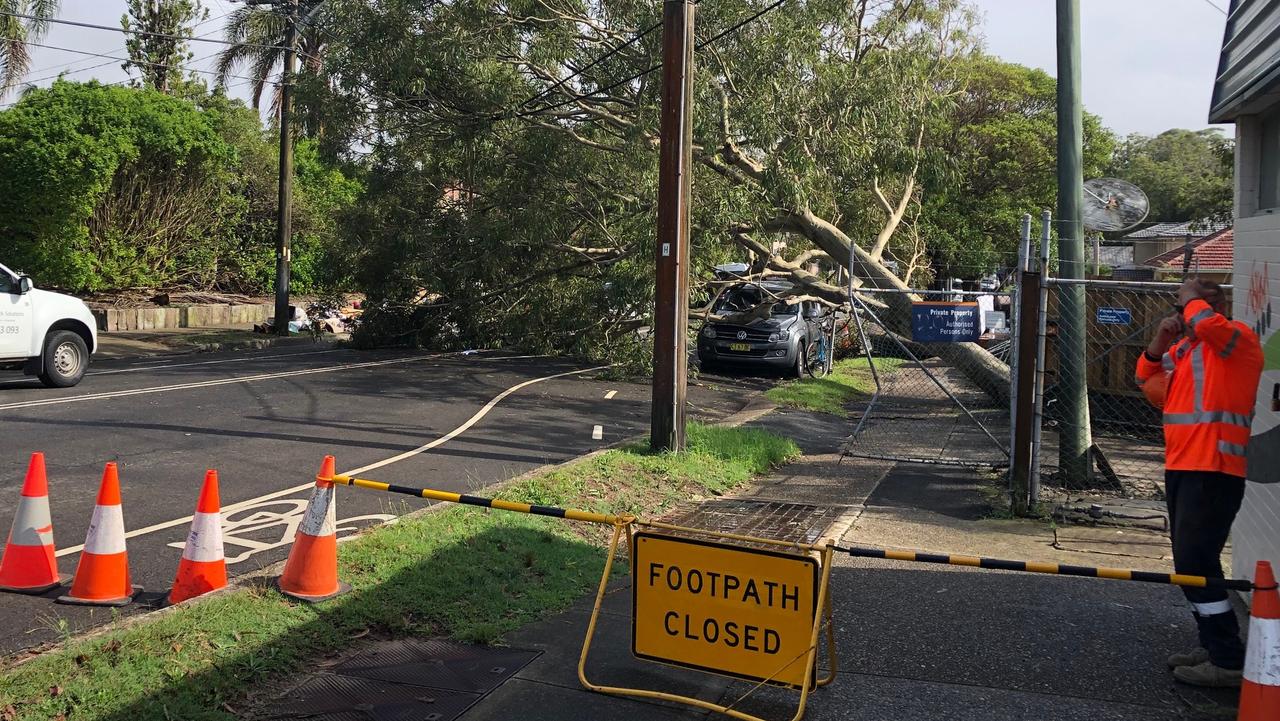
[(1127, 436), (926, 406)]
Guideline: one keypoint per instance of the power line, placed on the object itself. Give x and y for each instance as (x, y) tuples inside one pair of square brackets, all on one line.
[(642, 73), (68, 66), (177, 66), (109, 28), (1215, 6), (605, 56)]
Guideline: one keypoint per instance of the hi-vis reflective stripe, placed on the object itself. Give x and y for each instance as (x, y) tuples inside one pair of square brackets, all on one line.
[(106, 531), (1166, 362), (31, 525), (321, 516), (1213, 608), (1232, 449), (567, 513), (1231, 344), (1205, 314), (1197, 376), (1262, 663), (1118, 574), (204, 543), (1191, 419)]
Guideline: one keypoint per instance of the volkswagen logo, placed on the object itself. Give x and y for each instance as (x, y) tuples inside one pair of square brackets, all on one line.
[(742, 335)]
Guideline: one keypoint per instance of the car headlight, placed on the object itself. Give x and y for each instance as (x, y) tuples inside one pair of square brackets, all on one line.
[(780, 335), (708, 332)]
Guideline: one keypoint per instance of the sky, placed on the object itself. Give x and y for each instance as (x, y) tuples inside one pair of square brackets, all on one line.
[(1148, 65)]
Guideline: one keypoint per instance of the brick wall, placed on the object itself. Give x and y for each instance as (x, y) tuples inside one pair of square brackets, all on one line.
[(1256, 534)]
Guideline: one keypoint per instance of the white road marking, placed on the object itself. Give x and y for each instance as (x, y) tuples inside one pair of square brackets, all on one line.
[(355, 471), (610, 395), (597, 433), (210, 383), (160, 365)]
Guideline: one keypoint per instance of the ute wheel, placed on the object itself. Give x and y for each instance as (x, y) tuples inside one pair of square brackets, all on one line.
[(66, 358), (797, 369)]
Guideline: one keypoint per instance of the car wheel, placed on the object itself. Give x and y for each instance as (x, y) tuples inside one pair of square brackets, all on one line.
[(797, 368), (66, 358)]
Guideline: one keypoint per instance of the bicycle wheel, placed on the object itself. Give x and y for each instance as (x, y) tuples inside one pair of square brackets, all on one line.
[(815, 358)]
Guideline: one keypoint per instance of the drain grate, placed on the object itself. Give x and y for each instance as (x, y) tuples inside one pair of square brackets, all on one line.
[(332, 697), (777, 520), (474, 669), (405, 680)]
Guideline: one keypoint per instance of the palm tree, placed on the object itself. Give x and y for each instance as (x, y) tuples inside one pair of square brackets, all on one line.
[(16, 32), (258, 36)]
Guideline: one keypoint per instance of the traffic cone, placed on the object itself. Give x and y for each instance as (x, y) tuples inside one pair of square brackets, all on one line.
[(311, 573), (203, 568), (102, 576), (1260, 689), (28, 564)]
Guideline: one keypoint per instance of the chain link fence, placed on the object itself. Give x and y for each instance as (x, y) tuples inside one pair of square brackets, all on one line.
[(931, 403), (1124, 431)]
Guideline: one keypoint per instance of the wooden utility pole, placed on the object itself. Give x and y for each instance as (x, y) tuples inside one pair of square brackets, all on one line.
[(670, 335), (284, 211)]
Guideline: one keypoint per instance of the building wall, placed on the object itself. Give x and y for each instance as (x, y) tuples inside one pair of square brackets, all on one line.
[(1256, 534)]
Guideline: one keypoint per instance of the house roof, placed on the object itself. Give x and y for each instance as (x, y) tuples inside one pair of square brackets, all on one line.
[(1216, 252), (1193, 228), (1249, 66)]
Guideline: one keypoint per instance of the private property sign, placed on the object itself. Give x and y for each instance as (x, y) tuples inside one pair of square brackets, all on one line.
[(741, 612), (942, 322), (1114, 316)]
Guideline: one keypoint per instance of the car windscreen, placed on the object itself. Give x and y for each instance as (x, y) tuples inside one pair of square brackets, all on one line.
[(741, 300)]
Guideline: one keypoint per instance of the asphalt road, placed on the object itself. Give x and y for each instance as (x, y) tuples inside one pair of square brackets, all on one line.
[(265, 419)]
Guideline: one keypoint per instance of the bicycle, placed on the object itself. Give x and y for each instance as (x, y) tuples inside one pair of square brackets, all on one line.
[(819, 353)]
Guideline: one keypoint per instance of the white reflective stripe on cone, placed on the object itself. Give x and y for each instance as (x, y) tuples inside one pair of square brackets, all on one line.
[(204, 542), (1213, 608), (320, 518), (106, 531), (31, 524), (1262, 658)]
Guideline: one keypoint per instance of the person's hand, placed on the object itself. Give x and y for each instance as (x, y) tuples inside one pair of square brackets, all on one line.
[(1190, 290), (1169, 329)]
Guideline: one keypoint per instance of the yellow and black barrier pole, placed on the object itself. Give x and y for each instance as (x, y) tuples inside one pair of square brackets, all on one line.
[(464, 499), (1061, 569)]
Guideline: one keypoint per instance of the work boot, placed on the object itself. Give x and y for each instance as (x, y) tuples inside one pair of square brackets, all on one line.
[(1206, 674), (1194, 657)]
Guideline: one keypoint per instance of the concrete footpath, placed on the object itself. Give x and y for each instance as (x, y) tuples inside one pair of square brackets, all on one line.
[(915, 641)]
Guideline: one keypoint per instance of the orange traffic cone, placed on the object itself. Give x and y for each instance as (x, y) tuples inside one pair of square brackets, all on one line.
[(28, 564), (311, 573), (1260, 690), (203, 568), (102, 576)]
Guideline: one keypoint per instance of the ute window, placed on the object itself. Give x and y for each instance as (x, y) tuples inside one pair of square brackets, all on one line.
[(740, 300), (7, 283)]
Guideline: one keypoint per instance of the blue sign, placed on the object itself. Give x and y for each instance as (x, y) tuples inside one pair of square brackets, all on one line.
[(945, 322), (1114, 316)]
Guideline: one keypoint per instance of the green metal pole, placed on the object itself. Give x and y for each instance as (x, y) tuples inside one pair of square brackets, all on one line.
[(1074, 438)]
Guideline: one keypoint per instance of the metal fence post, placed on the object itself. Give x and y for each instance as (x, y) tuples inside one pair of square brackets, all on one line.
[(1024, 260), (1023, 432), (1042, 322)]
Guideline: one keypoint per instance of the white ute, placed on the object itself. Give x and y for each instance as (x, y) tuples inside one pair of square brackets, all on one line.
[(44, 334)]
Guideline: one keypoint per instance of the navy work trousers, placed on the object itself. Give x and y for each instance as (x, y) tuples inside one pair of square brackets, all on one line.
[(1202, 507)]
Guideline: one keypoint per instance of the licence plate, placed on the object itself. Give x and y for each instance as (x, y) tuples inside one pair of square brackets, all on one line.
[(740, 346)]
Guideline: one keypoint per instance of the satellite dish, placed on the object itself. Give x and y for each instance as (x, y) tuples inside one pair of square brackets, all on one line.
[(1111, 204)]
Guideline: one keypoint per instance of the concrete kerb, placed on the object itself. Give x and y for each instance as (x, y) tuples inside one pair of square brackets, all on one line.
[(751, 411)]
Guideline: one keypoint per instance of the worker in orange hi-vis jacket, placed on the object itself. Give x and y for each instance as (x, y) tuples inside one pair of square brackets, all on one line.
[(1211, 378)]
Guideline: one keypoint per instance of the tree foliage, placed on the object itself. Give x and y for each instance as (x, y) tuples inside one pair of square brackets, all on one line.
[(1186, 174), (116, 187), (16, 32), (1001, 139), (154, 31)]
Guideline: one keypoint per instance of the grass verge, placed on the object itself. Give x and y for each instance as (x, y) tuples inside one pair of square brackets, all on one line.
[(849, 379), (462, 572)]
